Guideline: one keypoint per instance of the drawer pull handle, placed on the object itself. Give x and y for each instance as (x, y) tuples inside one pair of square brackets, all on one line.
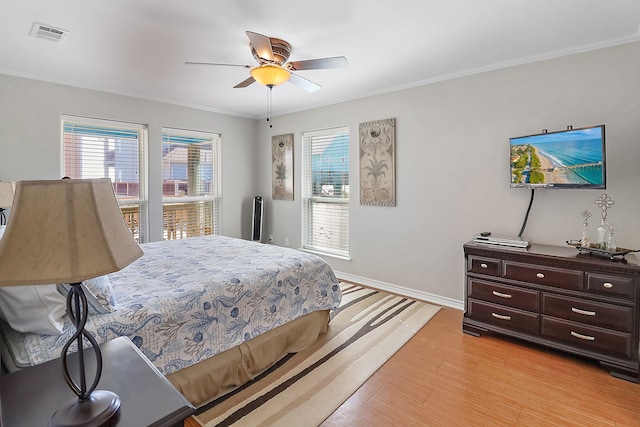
[(500, 316), (540, 276), (608, 285), (483, 265), (582, 337), (500, 294), (584, 312)]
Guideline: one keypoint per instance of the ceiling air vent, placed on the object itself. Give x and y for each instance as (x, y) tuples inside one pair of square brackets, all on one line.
[(43, 31)]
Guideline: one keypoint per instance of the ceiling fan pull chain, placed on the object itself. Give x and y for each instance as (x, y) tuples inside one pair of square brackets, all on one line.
[(269, 105)]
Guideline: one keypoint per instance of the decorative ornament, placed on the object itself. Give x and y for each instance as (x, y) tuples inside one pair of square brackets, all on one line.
[(585, 241), (611, 241), (604, 202)]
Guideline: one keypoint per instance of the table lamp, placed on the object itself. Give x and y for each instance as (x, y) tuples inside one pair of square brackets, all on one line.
[(67, 231), (6, 198)]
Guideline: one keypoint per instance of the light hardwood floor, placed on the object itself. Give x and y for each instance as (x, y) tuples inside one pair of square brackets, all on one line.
[(443, 377)]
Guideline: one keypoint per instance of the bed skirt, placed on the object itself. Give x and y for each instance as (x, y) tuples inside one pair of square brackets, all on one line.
[(203, 382)]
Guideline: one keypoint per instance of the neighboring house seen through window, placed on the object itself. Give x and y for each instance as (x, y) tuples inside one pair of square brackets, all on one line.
[(325, 192)]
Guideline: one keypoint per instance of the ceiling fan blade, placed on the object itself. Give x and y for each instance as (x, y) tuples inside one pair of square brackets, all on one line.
[(303, 83), (262, 45), (245, 83), (321, 63), (216, 63)]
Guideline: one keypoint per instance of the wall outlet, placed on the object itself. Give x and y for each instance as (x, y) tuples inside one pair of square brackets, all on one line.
[(286, 241)]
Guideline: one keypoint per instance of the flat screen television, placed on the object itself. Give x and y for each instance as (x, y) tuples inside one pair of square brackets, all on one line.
[(571, 158)]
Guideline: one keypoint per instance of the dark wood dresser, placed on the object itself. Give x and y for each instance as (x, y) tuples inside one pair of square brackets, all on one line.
[(554, 296)]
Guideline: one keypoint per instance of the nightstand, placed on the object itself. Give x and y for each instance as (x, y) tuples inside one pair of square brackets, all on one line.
[(29, 397)]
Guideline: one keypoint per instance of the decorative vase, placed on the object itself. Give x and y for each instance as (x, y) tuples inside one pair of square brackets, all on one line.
[(602, 235), (585, 242)]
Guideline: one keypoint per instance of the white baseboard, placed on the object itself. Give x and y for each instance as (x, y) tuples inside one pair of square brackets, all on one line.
[(401, 290)]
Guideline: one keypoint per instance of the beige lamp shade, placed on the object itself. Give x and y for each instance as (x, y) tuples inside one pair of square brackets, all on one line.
[(64, 231), (6, 194)]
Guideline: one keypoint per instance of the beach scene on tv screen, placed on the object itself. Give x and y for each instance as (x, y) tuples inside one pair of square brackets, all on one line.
[(569, 158)]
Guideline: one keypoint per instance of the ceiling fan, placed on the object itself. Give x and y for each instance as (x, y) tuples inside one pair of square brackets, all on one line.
[(273, 69)]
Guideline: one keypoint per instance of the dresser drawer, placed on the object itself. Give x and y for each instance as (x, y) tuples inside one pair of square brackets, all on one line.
[(505, 317), (483, 265), (525, 299), (542, 275), (590, 337), (589, 312), (605, 284)]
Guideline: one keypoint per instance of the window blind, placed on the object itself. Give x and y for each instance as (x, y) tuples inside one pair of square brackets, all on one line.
[(94, 148), (190, 183), (326, 191)]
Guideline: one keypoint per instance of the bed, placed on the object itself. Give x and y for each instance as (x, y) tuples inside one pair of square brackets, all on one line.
[(209, 312)]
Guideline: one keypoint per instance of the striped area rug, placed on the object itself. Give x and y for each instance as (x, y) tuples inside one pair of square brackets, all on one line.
[(303, 389)]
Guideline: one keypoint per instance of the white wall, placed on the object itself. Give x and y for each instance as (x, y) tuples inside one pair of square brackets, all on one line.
[(453, 166), (452, 160), (30, 146)]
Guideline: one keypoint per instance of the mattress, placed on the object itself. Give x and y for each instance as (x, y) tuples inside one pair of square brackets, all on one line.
[(185, 301)]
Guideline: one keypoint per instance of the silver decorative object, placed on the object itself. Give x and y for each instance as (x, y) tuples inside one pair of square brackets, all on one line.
[(585, 241), (606, 245), (611, 241), (604, 202)]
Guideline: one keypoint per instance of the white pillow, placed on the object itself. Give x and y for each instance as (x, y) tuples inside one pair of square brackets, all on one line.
[(38, 309)]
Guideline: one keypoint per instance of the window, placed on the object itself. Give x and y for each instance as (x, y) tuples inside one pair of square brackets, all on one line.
[(190, 183), (325, 191), (94, 148)]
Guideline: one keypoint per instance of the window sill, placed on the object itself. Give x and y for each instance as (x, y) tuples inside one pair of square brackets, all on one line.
[(327, 254)]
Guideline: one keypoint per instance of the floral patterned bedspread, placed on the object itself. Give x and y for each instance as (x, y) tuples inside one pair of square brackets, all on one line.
[(186, 300)]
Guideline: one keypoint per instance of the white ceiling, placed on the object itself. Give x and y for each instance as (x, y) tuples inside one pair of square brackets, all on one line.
[(138, 47)]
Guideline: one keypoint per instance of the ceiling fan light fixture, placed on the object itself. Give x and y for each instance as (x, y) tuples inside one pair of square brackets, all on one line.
[(270, 75)]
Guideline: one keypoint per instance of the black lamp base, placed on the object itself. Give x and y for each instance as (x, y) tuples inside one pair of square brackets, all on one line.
[(102, 409)]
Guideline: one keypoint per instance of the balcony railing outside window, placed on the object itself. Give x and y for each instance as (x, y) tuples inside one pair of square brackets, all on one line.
[(94, 148), (190, 183)]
